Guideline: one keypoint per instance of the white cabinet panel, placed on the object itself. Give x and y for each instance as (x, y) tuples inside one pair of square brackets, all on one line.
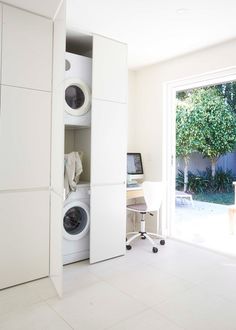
[(57, 150), (57, 142), (109, 69), (108, 222), (56, 270), (26, 49), (24, 237), (1, 6), (24, 138), (108, 142)]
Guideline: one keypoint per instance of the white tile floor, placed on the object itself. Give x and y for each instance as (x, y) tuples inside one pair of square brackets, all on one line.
[(205, 224), (180, 287)]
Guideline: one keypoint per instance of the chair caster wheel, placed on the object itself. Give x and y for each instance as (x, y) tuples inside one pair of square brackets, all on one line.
[(162, 242), (128, 247), (154, 249), (143, 237)]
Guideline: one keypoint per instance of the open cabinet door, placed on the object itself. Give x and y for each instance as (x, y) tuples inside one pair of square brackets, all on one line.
[(108, 150), (57, 149)]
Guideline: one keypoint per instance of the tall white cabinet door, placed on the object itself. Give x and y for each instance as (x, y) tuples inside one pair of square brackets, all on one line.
[(24, 237), (108, 143), (1, 8), (58, 92), (109, 69), (26, 49), (25, 121), (108, 149), (56, 268), (57, 150), (108, 214)]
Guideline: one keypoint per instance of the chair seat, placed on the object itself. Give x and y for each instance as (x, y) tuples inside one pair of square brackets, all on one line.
[(137, 207)]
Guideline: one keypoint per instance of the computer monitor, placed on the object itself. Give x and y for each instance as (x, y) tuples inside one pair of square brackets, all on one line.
[(134, 167)]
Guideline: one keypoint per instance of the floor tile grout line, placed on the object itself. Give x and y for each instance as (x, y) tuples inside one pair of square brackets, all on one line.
[(127, 318), (134, 314), (59, 315), (169, 319)]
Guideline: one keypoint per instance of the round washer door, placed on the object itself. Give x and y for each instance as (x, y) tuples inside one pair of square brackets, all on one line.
[(75, 220), (77, 97)]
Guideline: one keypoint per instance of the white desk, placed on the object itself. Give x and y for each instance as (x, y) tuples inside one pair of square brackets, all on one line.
[(134, 192)]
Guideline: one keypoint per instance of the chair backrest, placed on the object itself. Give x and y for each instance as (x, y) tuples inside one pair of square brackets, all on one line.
[(153, 193)]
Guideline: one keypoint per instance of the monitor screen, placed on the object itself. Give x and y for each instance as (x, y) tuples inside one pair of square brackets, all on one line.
[(134, 163)]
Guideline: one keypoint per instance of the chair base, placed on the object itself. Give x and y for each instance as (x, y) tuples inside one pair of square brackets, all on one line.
[(144, 235)]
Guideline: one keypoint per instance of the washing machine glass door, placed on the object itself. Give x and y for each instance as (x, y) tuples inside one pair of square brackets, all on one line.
[(77, 97), (74, 97), (76, 222)]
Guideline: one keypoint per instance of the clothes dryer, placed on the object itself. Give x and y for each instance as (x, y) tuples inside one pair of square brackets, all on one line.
[(78, 83), (76, 225)]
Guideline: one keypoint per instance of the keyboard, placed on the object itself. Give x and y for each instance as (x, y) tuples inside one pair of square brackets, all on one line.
[(133, 185)]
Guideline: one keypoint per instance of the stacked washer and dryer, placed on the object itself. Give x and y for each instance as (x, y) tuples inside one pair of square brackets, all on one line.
[(77, 115)]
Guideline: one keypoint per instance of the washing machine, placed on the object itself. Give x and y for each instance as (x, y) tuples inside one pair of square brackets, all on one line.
[(76, 224), (78, 83)]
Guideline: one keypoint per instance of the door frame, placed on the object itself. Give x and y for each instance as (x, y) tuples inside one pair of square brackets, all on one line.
[(170, 89)]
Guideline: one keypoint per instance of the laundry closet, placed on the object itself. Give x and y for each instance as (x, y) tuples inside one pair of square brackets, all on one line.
[(34, 140), (95, 79), (77, 148)]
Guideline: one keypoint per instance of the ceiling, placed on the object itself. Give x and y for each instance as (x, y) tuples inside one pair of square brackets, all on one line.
[(45, 8), (155, 30)]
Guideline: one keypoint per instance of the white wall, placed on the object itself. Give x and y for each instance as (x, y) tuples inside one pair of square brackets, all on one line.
[(146, 99), (131, 113)]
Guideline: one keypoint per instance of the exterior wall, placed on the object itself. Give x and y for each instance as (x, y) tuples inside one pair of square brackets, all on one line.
[(198, 163), (228, 162)]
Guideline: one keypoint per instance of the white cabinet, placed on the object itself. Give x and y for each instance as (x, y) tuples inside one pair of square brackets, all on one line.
[(108, 156), (26, 49), (0, 35), (108, 150), (57, 149), (24, 138), (107, 230), (56, 241), (24, 236), (109, 69)]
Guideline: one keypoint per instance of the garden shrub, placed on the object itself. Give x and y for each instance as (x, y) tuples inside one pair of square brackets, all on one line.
[(202, 181), (198, 183), (179, 182), (222, 182)]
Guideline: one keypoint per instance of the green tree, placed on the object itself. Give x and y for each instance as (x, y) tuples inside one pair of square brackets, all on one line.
[(215, 124), (185, 134), (228, 91)]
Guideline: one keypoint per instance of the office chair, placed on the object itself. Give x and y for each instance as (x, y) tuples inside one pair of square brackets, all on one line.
[(153, 197)]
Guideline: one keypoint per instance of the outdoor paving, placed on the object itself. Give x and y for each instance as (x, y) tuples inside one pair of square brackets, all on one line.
[(205, 224)]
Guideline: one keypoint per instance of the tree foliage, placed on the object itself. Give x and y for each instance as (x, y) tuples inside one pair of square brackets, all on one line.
[(228, 91), (210, 123), (185, 135), (184, 130)]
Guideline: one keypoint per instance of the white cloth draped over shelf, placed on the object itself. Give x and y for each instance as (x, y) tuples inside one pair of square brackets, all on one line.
[(73, 169)]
